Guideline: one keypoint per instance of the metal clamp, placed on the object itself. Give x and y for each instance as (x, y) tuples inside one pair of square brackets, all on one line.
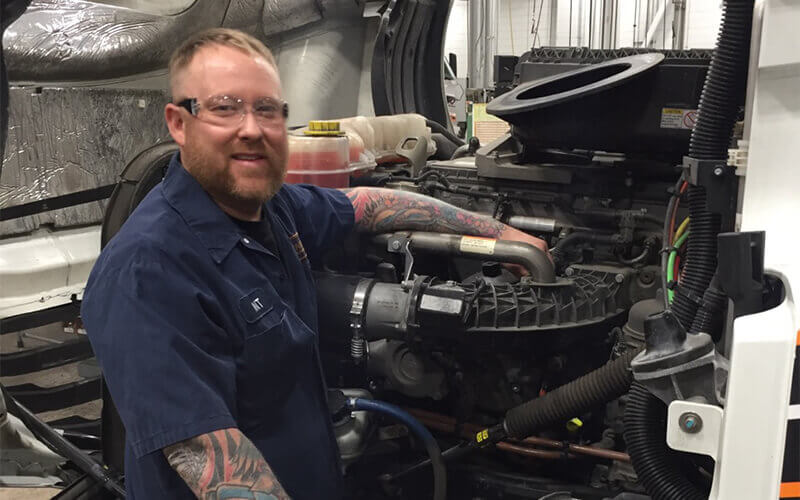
[(358, 345)]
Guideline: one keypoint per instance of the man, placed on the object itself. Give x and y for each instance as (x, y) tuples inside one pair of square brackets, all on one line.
[(201, 310)]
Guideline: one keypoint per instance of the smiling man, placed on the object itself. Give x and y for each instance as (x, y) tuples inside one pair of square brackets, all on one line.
[(202, 309)]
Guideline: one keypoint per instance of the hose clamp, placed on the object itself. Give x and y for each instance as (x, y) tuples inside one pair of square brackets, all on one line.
[(358, 345)]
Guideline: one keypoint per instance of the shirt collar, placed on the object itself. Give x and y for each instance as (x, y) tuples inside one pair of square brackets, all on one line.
[(205, 218)]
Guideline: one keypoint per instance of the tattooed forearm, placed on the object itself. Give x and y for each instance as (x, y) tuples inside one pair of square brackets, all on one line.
[(385, 210), (224, 464)]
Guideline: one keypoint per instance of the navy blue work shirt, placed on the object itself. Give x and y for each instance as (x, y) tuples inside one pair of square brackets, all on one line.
[(198, 328)]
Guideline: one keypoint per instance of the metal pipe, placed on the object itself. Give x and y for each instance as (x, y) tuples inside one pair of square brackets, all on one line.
[(492, 16), (533, 224), (477, 48), (658, 18), (446, 423), (528, 256), (553, 39), (62, 446)]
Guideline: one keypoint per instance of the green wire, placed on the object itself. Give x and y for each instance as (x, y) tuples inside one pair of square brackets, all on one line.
[(671, 264)]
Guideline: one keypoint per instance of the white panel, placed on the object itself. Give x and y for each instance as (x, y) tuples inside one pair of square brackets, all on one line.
[(46, 268), (758, 398), (702, 23)]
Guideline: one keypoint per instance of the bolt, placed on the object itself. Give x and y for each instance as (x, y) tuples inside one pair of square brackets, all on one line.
[(646, 277), (718, 171), (619, 278), (396, 245), (372, 385), (691, 422), (569, 271), (515, 389)]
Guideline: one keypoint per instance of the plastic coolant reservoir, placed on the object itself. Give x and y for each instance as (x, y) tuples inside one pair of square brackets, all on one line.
[(382, 134), (321, 156)]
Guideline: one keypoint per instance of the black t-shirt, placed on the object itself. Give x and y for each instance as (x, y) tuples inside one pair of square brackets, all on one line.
[(261, 231)]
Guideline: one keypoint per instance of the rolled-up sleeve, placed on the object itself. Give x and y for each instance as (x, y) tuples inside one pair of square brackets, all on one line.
[(169, 367), (323, 216)]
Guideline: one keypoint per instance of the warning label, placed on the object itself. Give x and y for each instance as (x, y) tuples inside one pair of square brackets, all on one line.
[(472, 244), (678, 118)]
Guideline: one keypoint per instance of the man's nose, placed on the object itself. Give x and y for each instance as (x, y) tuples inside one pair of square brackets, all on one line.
[(249, 129)]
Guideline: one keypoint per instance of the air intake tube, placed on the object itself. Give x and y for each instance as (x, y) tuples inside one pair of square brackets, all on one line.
[(723, 92)]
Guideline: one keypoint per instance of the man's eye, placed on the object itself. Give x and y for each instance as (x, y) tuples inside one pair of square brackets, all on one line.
[(266, 109), (222, 108)]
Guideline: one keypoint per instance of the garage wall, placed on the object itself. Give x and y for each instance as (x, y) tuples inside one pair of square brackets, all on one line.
[(517, 24)]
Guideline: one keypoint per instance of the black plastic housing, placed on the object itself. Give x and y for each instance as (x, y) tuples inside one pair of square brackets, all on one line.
[(623, 105)]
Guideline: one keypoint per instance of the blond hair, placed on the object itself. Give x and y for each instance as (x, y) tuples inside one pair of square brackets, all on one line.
[(225, 37)]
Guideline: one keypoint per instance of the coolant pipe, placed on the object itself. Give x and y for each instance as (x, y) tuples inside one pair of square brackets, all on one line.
[(431, 446), (533, 224), (528, 256)]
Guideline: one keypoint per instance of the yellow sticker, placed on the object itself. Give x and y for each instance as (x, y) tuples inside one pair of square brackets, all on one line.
[(482, 435), (473, 244)]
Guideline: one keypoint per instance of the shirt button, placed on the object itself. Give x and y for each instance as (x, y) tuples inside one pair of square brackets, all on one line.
[(246, 241)]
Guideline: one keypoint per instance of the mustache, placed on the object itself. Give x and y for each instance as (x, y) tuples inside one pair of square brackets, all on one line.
[(273, 155)]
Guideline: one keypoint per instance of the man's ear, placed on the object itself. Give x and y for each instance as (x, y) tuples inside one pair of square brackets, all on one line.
[(175, 123)]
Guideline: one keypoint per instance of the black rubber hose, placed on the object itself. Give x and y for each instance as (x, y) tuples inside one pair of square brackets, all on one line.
[(725, 84), (600, 386), (440, 129), (559, 251), (460, 152), (649, 244), (414, 425), (701, 257), (656, 465), (709, 315)]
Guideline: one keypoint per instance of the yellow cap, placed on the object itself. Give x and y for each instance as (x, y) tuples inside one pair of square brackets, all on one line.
[(323, 128), (574, 425)]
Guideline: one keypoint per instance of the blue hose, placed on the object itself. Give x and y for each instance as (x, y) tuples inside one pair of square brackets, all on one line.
[(431, 446)]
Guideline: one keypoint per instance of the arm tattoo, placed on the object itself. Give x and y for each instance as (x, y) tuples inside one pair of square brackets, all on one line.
[(386, 210), (224, 464)]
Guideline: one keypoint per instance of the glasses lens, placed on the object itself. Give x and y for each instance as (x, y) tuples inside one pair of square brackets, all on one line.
[(222, 109), (229, 110), (267, 110)]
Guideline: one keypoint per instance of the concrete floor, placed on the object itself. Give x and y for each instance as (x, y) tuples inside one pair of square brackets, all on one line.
[(28, 493), (38, 337)]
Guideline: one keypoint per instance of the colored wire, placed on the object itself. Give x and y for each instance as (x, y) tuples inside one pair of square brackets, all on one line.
[(681, 229), (667, 234), (671, 272)]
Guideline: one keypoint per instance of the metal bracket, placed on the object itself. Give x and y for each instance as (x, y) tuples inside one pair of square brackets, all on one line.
[(694, 427), (722, 186), (402, 244)]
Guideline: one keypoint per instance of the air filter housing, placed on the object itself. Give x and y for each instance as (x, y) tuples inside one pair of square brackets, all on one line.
[(637, 105)]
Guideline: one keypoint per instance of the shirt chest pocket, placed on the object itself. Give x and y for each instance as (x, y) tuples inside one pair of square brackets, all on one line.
[(260, 313), (274, 351)]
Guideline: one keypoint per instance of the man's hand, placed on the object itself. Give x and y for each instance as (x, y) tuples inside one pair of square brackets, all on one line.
[(224, 464), (386, 210)]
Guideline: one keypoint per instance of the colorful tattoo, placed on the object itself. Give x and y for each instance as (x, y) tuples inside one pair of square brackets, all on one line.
[(224, 464), (385, 210)]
